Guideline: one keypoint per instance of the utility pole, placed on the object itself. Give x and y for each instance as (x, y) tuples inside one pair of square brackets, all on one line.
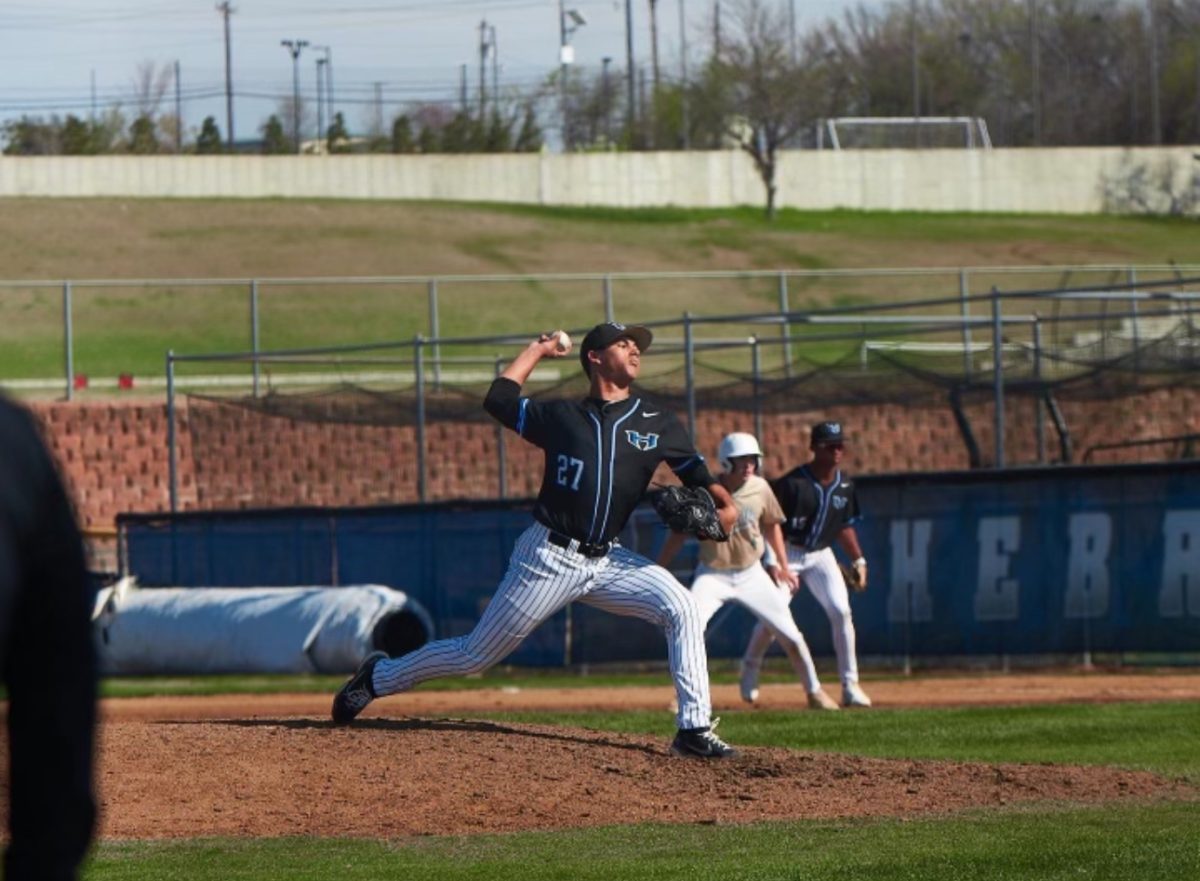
[(1155, 99), (483, 47), (654, 48), (562, 72), (329, 82), (683, 75), (792, 29), (320, 103), (378, 108), (916, 83), (495, 71), (605, 62), (631, 98), (462, 87), (295, 47), (93, 117), (225, 9), (178, 113), (1035, 71), (716, 29)]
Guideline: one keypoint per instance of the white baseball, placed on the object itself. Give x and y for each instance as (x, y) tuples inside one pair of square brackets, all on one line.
[(564, 341)]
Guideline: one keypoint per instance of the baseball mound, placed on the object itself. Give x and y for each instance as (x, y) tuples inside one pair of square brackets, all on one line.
[(275, 766)]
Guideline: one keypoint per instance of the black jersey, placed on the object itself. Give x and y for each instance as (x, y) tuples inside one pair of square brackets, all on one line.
[(815, 513), (600, 456)]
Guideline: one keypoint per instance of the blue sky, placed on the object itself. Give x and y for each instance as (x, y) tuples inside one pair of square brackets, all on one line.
[(54, 50)]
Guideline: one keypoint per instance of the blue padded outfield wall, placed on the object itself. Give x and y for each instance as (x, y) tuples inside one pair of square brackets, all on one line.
[(1020, 561)]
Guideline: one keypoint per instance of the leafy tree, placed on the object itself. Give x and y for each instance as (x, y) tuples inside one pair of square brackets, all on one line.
[(78, 137), (209, 139), (428, 141), (529, 138), (274, 141), (28, 137), (107, 129), (464, 134), (336, 135), (498, 137), (402, 136), (143, 138)]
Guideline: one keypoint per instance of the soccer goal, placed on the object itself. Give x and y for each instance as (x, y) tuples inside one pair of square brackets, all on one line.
[(902, 133)]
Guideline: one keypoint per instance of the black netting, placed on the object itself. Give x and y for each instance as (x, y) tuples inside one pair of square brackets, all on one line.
[(1098, 369)]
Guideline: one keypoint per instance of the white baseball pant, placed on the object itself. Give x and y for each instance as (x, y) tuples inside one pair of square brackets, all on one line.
[(541, 579), (820, 573), (753, 588)]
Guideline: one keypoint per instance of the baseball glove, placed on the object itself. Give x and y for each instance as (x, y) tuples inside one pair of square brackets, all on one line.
[(855, 577), (690, 510)]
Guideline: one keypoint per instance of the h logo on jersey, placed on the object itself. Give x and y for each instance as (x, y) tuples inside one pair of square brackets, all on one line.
[(643, 442)]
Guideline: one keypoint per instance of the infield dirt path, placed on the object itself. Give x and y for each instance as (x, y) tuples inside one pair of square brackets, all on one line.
[(274, 765)]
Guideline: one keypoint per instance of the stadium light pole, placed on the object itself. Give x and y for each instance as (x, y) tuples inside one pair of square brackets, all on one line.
[(328, 80), (566, 55), (295, 47)]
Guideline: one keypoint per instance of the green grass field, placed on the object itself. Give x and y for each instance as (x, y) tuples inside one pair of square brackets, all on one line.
[(125, 328)]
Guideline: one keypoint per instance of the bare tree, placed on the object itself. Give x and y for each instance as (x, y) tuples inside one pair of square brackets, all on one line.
[(772, 94), (150, 84)]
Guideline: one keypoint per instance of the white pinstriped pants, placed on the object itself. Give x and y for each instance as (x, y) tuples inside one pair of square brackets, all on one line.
[(820, 573), (541, 579)]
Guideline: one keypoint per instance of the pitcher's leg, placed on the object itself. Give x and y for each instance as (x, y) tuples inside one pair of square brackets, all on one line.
[(633, 585), (540, 580)]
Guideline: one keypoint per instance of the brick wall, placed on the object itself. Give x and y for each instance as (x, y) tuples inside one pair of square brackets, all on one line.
[(114, 455)]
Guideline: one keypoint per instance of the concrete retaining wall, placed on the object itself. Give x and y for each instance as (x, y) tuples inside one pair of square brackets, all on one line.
[(1019, 180)]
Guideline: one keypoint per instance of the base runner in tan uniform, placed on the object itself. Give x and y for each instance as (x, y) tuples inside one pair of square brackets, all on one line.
[(733, 572)]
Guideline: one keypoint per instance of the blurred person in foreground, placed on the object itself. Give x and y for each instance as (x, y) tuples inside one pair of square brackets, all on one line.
[(47, 662)]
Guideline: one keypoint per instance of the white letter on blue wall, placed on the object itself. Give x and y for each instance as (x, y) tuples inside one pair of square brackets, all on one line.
[(1090, 536), (996, 595), (910, 571), (1180, 591)]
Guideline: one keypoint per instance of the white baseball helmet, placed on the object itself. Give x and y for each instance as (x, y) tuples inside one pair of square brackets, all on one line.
[(739, 443)]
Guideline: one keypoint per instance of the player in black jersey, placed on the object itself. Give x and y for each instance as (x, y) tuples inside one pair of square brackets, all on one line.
[(820, 506), (601, 453)]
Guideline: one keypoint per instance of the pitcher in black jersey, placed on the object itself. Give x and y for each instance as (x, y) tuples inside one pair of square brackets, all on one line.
[(600, 454), (820, 506)]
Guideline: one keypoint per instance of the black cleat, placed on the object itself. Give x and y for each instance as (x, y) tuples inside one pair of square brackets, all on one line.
[(701, 743), (357, 692)]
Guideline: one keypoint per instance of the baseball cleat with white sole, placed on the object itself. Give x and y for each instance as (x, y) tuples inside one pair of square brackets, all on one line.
[(853, 696), (357, 692), (701, 743), (819, 700), (748, 683)]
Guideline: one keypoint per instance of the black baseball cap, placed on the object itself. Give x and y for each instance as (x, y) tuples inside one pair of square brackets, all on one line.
[(828, 433), (604, 335)]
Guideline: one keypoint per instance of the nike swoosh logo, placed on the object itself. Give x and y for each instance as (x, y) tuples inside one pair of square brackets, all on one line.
[(648, 415)]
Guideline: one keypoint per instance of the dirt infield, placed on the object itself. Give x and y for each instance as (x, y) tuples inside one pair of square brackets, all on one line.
[(273, 765)]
